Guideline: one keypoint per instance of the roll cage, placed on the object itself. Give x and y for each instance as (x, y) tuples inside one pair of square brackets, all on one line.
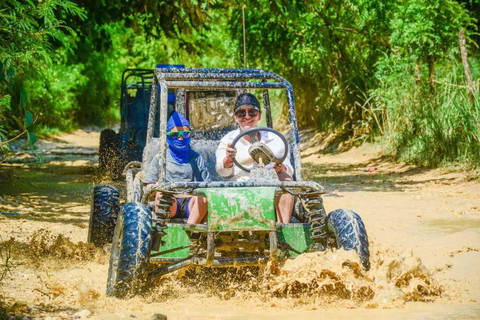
[(221, 79)]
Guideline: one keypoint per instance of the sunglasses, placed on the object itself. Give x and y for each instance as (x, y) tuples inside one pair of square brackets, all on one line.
[(242, 113), (179, 134)]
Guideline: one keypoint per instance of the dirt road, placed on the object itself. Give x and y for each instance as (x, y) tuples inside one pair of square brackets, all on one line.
[(423, 227)]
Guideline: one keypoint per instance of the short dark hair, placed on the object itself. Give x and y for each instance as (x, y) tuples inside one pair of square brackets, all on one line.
[(246, 99)]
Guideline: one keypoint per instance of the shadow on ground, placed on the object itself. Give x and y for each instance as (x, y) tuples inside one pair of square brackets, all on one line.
[(58, 191), (386, 177)]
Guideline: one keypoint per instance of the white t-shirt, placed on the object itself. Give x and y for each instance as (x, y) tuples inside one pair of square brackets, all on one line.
[(235, 173)]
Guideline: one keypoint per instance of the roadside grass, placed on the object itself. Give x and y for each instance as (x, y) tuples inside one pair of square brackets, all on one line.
[(45, 131), (439, 130), (5, 267), (433, 128)]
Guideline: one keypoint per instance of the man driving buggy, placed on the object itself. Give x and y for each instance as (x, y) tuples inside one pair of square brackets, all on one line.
[(183, 165), (247, 114)]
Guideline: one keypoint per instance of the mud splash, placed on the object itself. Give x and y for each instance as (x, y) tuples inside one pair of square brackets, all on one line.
[(44, 246), (322, 275), (312, 280), (330, 276), (42, 267)]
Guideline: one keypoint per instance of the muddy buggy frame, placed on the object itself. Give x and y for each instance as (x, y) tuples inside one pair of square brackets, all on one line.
[(241, 229)]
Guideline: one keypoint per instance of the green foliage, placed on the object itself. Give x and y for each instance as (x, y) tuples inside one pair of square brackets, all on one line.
[(326, 49), (29, 33), (361, 67), (54, 94), (173, 18), (423, 28), (353, 66), (98, 96), (420, 125)]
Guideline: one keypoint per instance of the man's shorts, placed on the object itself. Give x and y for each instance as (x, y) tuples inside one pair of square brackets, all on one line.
[(182, 208)]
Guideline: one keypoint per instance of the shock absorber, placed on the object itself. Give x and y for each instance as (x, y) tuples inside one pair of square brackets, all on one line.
[(317, 218), (161, 217)]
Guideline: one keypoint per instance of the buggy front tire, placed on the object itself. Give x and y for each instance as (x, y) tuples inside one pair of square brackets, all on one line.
[(105, 208), (130, 254), (349, 233)]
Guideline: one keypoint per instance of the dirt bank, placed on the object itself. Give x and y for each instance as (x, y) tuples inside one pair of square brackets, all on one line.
[(423, 226)]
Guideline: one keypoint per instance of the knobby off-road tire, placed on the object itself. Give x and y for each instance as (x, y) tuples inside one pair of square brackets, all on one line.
[(107, 150), (130, 250), (105, 208), (350, 233)]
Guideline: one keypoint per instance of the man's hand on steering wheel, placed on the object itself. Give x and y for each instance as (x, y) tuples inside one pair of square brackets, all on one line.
[(231, 153), (259, 151), (279, 167)]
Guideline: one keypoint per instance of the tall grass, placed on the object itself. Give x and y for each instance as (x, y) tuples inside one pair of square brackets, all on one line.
[(5, 268), (430, 128)]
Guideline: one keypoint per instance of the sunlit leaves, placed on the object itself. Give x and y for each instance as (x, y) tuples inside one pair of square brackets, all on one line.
[(330, 50), (421, 28)]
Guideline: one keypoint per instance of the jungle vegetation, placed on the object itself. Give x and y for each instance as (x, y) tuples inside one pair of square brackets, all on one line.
[(365, 69)]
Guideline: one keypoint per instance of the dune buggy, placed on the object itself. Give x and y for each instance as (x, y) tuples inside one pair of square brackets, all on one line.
[(241, 229), (117, 149)]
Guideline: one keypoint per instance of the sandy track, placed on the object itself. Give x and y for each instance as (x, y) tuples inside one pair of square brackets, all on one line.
[(422, 224)]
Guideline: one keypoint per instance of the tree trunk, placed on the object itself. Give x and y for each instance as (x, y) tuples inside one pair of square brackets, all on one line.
[(466, 67), (418, 74), (431, 72)]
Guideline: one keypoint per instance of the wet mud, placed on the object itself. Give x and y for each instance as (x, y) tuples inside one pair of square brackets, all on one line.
[(55, 269), (423, 227)]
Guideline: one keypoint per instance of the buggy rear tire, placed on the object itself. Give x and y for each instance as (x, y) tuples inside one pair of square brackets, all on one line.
[(130, 254), (350, 233), (108, 154), (105, 208)]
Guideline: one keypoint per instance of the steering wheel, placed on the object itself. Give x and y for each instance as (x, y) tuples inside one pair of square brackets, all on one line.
[(259, 151)]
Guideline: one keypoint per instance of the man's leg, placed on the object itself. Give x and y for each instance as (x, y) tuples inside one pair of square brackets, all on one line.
[(197, 208), (284, 203), (284, 207)]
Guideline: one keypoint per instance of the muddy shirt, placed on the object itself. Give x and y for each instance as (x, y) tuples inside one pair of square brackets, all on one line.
[(192, 171), (243, 157)]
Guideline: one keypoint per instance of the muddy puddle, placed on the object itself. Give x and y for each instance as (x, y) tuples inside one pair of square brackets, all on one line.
[(423, 226), (452, 226)]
